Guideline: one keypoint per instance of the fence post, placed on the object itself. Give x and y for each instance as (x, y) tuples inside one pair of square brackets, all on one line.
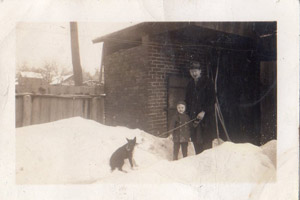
[(94, 108), (27, 107), (101, 111)]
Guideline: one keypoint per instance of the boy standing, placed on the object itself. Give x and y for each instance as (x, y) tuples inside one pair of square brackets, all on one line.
[(181, 134)]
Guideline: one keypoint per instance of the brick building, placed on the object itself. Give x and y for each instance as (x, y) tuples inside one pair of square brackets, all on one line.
[(146, 72)]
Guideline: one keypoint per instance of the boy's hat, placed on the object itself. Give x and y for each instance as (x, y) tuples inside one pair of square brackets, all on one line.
[(181, 102)]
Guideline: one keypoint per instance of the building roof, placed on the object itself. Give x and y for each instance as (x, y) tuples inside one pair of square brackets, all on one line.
[(147, 28), (60, 79), (141, 29), (226, 35), (31, 75)]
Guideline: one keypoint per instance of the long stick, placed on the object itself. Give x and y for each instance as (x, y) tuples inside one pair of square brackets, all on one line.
[(217, 124), (218, 112), (178, 127), (223, 124)]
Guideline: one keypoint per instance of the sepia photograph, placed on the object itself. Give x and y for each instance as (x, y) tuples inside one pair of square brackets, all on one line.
[(196, 97), (133, 107)]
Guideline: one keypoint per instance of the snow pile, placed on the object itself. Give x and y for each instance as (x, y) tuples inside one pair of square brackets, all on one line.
[(77, 151), (270, 150), (227, 163), (284, 187)]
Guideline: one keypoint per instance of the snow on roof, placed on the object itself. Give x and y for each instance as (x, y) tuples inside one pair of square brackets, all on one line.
[(59, 79), (31, 75)]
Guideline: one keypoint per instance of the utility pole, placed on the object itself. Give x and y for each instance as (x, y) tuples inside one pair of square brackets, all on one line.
[(77, 71)]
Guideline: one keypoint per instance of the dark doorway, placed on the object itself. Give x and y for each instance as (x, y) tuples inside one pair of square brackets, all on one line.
[(246, 90), (176, 92)]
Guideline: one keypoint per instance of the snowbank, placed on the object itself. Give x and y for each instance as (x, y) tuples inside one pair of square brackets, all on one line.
[(284, 187), (227, 163), (77, 151), (270, 150)]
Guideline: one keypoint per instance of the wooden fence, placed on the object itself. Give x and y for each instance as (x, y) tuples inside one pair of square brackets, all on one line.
[(50, 103)]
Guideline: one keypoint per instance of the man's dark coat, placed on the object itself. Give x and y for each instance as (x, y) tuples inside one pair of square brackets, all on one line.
[(200, 96)]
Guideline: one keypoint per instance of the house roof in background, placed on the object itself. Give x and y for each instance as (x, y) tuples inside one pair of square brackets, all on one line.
[(60, 79), (31, 75)]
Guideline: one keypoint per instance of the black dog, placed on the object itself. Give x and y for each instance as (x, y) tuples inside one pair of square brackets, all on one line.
[(122, 153)]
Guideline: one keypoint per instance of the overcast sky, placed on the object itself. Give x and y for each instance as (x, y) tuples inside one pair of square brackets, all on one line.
[(38, 43)]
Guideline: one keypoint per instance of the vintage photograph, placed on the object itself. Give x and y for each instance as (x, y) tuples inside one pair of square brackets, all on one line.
[(146, 103), (137, 99)]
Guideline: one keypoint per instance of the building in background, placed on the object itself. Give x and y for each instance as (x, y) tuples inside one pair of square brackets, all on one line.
[(146, 72), (63, 80), (30, 78)]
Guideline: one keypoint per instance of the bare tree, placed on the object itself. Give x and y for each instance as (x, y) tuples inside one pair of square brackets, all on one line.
[(96, 76), (24, 67), (86, 75), (49, 71)]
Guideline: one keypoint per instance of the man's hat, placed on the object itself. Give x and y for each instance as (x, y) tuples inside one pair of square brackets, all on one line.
[(195, 65)]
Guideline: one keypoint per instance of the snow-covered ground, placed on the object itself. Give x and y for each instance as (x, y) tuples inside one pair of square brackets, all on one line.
[(77, 151)]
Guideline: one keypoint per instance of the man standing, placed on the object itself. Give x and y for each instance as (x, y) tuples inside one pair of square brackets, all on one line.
[(200, 99)]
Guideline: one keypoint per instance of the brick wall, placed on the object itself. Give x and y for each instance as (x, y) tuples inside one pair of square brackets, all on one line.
[(125, 88), (165, 60), (136, 83)]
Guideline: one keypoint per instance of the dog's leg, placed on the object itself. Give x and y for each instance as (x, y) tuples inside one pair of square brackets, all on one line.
[(120, 169), (134, 162), (130, 160)]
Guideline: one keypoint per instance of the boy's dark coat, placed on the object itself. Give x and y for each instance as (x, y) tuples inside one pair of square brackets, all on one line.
[(181, 134)]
